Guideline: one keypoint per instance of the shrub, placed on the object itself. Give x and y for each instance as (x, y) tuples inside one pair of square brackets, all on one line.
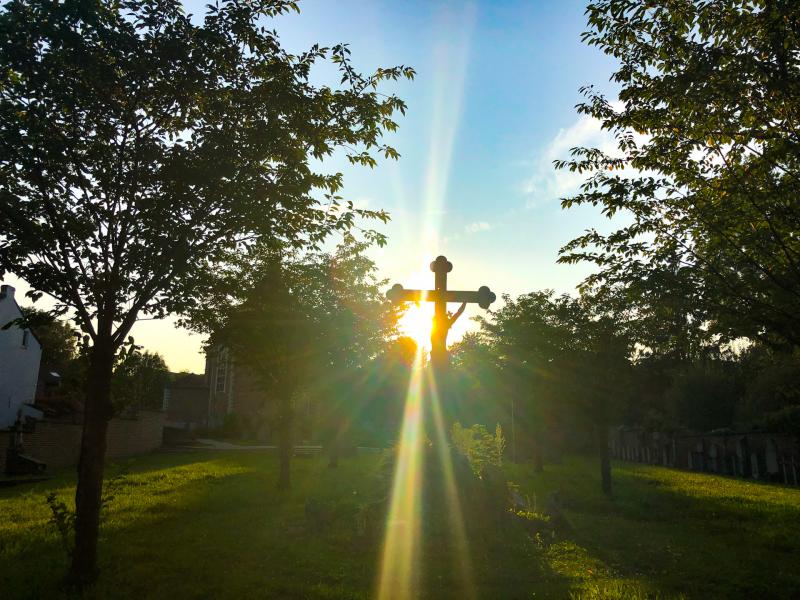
[(478, 445)]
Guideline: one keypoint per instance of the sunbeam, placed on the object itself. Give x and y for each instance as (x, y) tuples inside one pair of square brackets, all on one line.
[(399, 573), (456, 529), (400, 568)]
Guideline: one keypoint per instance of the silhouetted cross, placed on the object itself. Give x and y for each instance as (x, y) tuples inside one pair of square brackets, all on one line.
[(440, 296)]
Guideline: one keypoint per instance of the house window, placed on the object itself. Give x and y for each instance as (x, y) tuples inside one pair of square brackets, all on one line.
[(222, 371), (25, 335)]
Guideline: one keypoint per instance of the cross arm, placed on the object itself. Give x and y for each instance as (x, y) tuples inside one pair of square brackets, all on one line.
[(483, 297), (399, 294)]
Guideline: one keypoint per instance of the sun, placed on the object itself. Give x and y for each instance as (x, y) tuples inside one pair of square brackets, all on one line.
[(417, 322)]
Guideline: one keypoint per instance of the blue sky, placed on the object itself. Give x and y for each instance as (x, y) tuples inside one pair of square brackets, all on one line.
[(492, 105), (492, 102)]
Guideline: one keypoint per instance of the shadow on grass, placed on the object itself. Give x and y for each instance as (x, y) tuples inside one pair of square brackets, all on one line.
[(213, 526), (678, 533)]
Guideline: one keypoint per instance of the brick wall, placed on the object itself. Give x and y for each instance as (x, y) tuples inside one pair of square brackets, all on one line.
[(58, 443)]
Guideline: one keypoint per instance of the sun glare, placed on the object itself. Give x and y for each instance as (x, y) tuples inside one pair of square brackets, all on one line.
[(417, 322)]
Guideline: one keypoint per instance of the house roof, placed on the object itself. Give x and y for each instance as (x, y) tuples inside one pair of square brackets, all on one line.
[(7, 291)]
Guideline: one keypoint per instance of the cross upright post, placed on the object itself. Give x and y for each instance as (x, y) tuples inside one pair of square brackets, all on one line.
[(440, 296), (441, 326)]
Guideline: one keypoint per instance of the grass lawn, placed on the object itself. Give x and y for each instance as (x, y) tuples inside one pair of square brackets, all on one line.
[(211, 525)]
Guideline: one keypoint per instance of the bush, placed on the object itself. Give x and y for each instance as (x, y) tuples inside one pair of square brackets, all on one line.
[(479, 446)]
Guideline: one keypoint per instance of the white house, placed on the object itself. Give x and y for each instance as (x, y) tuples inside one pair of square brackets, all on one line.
[(20, 354)]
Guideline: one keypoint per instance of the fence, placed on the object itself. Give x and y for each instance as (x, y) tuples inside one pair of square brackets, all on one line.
[(765, 456)]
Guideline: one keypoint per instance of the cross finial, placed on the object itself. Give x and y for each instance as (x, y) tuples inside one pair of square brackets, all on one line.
[(441, 265)]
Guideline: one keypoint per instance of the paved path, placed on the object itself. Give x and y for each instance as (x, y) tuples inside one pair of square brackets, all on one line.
[(218, 445), (209, 444)]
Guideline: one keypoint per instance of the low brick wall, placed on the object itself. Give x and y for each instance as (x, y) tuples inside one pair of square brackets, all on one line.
[(58, 443)]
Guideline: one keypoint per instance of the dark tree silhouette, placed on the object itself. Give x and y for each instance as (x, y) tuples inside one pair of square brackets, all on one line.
[(707, 168), (138, 144), (300, 323)]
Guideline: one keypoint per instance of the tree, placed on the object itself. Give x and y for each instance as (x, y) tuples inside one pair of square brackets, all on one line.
[(58, 339), (139, 379), (481, 388), (301, 322), (351, 321), (384, 388), (572, 359), (139, 145), (530, 337), (707, 166)]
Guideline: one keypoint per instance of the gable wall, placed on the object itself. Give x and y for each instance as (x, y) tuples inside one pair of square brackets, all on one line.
[(19, 365)]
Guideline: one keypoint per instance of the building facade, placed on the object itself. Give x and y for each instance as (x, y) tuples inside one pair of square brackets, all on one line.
[(229, 398), (20, 356), (236, 394)]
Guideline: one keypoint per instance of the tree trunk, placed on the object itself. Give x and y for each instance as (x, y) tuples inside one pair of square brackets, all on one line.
[(538, 458), (97, 412), (605, 460), (333, 458), (285, 447), (335, 443)]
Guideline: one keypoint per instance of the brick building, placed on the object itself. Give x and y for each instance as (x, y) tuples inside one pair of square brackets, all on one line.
[(186, 402), (234, 392)]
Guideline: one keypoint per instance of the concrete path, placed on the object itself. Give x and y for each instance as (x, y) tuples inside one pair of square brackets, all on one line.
[(219, 445), (210, 444)]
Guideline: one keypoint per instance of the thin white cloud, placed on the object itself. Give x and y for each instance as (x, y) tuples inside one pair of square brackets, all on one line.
[(477, 226), (546, 184)]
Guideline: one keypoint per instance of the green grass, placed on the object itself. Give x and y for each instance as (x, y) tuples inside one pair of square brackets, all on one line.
[(211, 525)]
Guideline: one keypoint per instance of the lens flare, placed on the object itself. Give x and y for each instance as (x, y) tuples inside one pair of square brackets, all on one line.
[(417, 322), (399, 574), (456, 527), (400, 568)]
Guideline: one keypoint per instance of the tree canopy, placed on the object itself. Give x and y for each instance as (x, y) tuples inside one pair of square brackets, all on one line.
[(140, 145), (706, 165)]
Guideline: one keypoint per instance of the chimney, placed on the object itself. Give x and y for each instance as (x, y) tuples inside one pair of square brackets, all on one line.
[(6, 291)]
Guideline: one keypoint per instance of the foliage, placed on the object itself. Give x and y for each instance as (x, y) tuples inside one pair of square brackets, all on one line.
[(139, 378), (231, 427), (706, 169), (785, 420), (771, 383), (381, 388), (63, 519), (58, 338), (703, 397), (499, 444), (140, 147), (478, 445)]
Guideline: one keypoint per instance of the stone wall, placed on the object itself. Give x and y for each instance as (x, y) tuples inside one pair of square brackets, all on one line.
[(58, 443), (772, 457)]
